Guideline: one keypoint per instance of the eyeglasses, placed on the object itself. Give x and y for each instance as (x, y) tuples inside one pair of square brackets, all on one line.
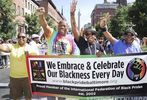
[(21, 37)]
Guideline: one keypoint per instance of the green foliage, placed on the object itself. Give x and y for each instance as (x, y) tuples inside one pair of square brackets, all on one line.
[(33, 26), (138, 16), (119, 22), (7, 26), (51, 22)]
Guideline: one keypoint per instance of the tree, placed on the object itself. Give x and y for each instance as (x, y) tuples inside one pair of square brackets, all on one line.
[(33, 26), (119, 22), (7, 28), (51, 22), (138, 15)]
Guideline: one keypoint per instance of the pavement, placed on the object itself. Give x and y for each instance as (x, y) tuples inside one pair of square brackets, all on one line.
[(4, 87), (4, 81)]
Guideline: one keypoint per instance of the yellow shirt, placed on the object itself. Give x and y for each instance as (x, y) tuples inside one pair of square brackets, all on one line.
[(18, 67)]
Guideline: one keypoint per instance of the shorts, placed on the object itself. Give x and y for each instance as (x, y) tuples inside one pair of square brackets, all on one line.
[(20, 87)]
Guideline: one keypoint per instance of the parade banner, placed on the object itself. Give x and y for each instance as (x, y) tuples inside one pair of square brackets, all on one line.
[(89, 76)]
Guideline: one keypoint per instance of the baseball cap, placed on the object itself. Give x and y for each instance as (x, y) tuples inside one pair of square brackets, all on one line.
[(130, 30), (92, 30), (35, 36)]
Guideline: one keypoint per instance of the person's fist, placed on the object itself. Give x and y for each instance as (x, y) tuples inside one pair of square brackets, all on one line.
[(40, 11)]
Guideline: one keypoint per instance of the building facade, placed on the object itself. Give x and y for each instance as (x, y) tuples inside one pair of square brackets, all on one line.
[(28, 7), (101, 9), (51, 10)]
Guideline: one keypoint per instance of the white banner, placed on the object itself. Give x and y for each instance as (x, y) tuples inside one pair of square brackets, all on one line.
[(98, 76)]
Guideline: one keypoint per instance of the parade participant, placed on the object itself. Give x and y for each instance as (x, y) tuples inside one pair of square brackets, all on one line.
[(19, 83), (126, 45), (59, 42), (88, 46)]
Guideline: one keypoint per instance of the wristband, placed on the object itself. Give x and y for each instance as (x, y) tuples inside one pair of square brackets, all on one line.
[(103, 29)]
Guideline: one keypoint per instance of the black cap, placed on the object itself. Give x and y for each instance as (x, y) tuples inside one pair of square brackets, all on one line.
[(92, 30), (130, 30)]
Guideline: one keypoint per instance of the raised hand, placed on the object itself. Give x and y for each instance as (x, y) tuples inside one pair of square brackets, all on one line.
[(40, 11), (104, 20), (73, 7)]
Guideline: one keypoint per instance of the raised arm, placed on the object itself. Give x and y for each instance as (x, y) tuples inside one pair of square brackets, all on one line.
[(103, 27), (47, 29), (73, 21)]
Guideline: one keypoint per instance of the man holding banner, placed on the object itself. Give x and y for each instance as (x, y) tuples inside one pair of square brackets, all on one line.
[(126, 45), (88, 45), (59, 43)]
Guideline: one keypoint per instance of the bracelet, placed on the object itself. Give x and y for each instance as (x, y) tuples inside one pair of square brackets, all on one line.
[(103, 29)]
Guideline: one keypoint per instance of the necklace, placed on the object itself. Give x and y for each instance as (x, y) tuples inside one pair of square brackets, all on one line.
[(90, 49)]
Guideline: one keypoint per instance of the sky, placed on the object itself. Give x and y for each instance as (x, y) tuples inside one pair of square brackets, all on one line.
[(84, 6)]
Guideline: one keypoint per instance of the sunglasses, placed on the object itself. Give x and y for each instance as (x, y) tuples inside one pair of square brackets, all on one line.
[(21, 37)]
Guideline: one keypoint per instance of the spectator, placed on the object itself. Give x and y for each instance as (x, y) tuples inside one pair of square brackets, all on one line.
[(88, 46), (35, 43), (19, 84), (124, 46)]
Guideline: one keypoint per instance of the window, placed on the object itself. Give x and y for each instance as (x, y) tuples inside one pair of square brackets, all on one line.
[(25, 3), (19, 12), (29, 5), (22, 12), (14, 5)]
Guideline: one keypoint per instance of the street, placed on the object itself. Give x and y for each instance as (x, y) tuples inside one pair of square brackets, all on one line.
[(4, 89), (4, 81)]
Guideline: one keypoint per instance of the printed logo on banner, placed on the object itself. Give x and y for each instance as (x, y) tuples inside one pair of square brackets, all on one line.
[(38, 70), (136, 69)]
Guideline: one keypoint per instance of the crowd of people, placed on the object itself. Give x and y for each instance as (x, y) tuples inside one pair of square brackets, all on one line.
[(61, 42)]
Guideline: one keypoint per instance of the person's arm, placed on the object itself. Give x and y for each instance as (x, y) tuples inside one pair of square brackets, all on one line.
[(73, 21), (104, 29), (4, 48), (109, 37), (47, 29)]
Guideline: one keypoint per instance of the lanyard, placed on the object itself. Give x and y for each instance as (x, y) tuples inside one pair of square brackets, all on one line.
[(90, 49)]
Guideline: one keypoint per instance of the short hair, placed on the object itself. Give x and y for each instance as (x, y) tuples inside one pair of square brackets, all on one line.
[(21, 33), (63, 21)]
